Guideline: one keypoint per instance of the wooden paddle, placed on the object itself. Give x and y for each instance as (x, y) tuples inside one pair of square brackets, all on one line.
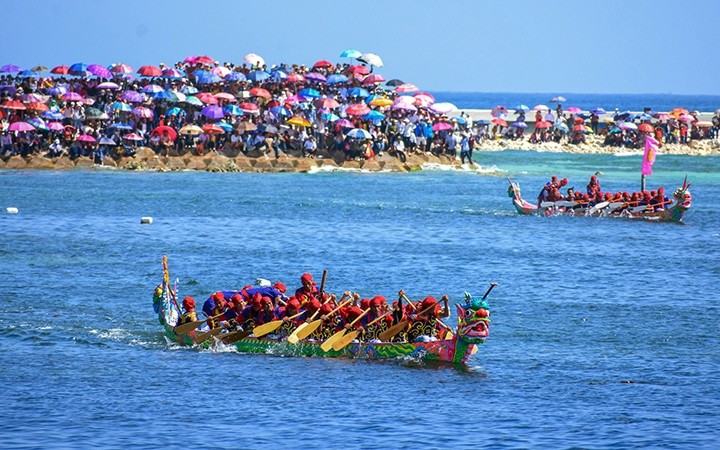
[(598, 207), (492, 285), (414, 308), (200, 338), (269, 327), (395, 329), (190, 326), (310, 327), (293, 338), (348, 338), (330, 342), (231, 338)]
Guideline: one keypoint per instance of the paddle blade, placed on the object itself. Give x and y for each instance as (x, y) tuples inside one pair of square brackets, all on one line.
[(345, 340), (188, 327), (392, 331), (205, 336), (308, 329), (232, 338), (293, 338), (266, 328), (328, 344)]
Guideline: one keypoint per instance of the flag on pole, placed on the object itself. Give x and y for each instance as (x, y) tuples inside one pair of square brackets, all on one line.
[(651, 148)]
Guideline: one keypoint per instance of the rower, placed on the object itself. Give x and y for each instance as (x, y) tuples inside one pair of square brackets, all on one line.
[(216, 305), (425, 326), (292, 308), (308, 288), (190, 315), (378, 309)]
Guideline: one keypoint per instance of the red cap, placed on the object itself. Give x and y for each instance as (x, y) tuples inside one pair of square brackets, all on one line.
[(188, 303), (428, 302), (218, 296), (236, 298), (266, 300), (293, 303), (353, 313), (280, 286), (365, 303), (313, 305), (376, 301), (326, 308), (563, 182), (306, 278)]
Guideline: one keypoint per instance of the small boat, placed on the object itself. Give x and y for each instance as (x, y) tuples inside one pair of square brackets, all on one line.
[(473, 329), (681, 204)]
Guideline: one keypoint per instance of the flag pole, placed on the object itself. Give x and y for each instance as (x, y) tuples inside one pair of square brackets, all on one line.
[(642, 183)]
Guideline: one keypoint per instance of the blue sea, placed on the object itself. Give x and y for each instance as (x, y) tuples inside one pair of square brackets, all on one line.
[(604, 331), (586, 102)]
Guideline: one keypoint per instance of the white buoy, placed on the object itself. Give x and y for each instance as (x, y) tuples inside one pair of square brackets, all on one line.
[(11, 210), (146, 220)]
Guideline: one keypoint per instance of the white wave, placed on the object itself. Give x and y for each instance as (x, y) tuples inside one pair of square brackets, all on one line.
[(628, 153)]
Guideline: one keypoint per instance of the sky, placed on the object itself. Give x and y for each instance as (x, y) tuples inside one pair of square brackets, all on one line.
[(553, 46)]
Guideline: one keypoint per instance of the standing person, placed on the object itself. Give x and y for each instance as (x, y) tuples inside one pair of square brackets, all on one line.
[(593, 187), (465, 149)]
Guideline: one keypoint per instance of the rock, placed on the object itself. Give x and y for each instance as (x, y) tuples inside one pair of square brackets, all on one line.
[(326, 163), (371, 165), (243, 164), (176, 163), (109, 162), (63, 162), (40, 162), (305, 165), (285, 164), (395, 166), (352, 164), (145, 153), (2, 163), (196, 163), (84, 162), (156, 164), (16, 162), (217, 163), (263, 164), (133, 164)]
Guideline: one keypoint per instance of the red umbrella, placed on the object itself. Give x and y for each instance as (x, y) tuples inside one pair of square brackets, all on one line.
[(207, 98), (579, 127), (407, 87), (542, 125), (260, 92), (204, 59), (211, 128), (249, 107), (72, 97), (37, 106), (60, 70), (357, 109), (149, 71), (325, 102), (500, 122), (358, 70), (425, 95), (13, 104), (322, 63), (645, 128), (172, 134), (294, 78), (578, 120), (374, 78), (121, 68)]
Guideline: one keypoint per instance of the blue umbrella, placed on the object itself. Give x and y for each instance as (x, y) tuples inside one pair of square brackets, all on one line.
[(645, 116), (52, 115), (374, 115), (483, 122), (280, 111), (233, 110), (278, 75), (57, 90), (235, 76), (121, 106), (225, 126), (121, 126), (370, 98), (358, 92), (175, 111), (562, 127), (163, 95), (201, 73), (460, 120), (38, 123), (519, 125), (28, 74), (209, 78), (189, 90), (330, 117), (79, 69), (523, 108), (309, 93), (598, 111), (358, 133), (258, 75), (350, 54), (336, 78)]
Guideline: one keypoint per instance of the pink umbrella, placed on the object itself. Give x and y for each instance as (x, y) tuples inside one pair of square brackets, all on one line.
[(297, 98), (373, 78), (121, 68), (443, 107), (407, 87), (21, 126), (142, 111), (85, 138), (55, 126), (250, 108), (499, 111), (440, 126), (542, 125), (294, 78), (108, 85), (132, 137), (344, 123), (426, 95), (225, 96), (207, 98), (662, 116), (573, 110), (404, 106), (357, 109), (686, 118), (221, 71), (498, 121), (325, 102), (72, 97)]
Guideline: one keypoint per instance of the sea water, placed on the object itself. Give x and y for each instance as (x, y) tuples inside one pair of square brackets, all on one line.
[(604, 332)]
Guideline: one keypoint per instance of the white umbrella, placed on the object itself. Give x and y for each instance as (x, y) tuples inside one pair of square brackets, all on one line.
[(443, 107), (371, 58), (255, 60), (107, 141)]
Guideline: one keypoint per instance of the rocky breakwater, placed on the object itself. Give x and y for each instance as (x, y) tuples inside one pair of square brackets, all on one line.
[(146, 159)]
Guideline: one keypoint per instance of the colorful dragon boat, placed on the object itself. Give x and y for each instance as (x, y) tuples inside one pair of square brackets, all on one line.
[(472, 329), (682, 203)]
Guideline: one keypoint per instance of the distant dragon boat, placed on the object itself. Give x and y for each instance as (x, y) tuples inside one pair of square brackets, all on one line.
[(682, 203), (472, 329)]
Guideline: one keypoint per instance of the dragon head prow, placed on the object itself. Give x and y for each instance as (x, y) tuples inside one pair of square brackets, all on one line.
[(473, 319)]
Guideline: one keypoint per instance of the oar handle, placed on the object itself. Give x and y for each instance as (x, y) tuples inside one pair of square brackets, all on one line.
[(378, 319), (409, 302), (357, 319), (322, 284), (492, 285), (340, 305)]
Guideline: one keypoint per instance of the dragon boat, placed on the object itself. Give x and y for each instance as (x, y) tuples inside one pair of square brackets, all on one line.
[(682, 203), (472, 330)]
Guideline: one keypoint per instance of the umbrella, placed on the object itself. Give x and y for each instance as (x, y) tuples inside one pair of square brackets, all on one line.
[(250, 108), (541, 108), (442, 126), (519, 125), (60, 70), (702, 124), (357, 109), (79, 69), (270, 129), (542, 125), (394, 82), (37, 106), (13, 104), (191, 129), (57, 90), (28, 74), (258, 75), (55, 126), (562, 127), (330, 117), (381, 101), (350, 54), (686, 118), (344, 123), (85, 138), (499, 111), (131, 96), (579, 127), (39, 69), (558, 99), (407, 87), (443, 107), (142, 112), (645, 128), (173, 73), (253, 59), (598, 111), (300, 121), (336, 78), (164, 95), (213, 112), (662, 116), (325, 102), (297, 98), (374, 115), (38, 123), (53, 115), (72, 97), (172, 134), (235, 76), (133, 137), (20, 126), (149, 71), (108, 85), (189, 90), (121, 126), (358, 92), (120, 106), (221, 71), (260, 92), (358, 133), (175, 111), (279, 75), (232, 110), (246, 126), (309, 93), (93, 113), (280, 111), (208, 78), (314, 76), (207, 98), (295, 78), (370, 58), (523, 108), (10, 68), (499, 121), (404, 106), (358, 70), (152, 88), (203, 59), (373, 78), (628, 126), (121, 68), (107, 141), (99, 71), (192, 100), (573, 110)]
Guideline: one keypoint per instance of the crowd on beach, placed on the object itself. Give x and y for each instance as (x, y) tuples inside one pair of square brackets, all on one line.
[(253, 308), (199, 105)]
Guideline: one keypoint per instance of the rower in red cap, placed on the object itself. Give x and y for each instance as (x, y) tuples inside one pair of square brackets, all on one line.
[(190, 315), (425, 326)]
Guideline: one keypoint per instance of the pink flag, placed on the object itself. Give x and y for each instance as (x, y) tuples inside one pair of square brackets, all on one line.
[(651, 148)]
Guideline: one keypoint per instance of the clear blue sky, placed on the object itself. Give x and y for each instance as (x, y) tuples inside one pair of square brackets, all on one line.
[(631, 46)]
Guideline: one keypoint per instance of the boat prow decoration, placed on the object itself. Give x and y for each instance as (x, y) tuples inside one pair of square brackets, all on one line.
[(456, 347)]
